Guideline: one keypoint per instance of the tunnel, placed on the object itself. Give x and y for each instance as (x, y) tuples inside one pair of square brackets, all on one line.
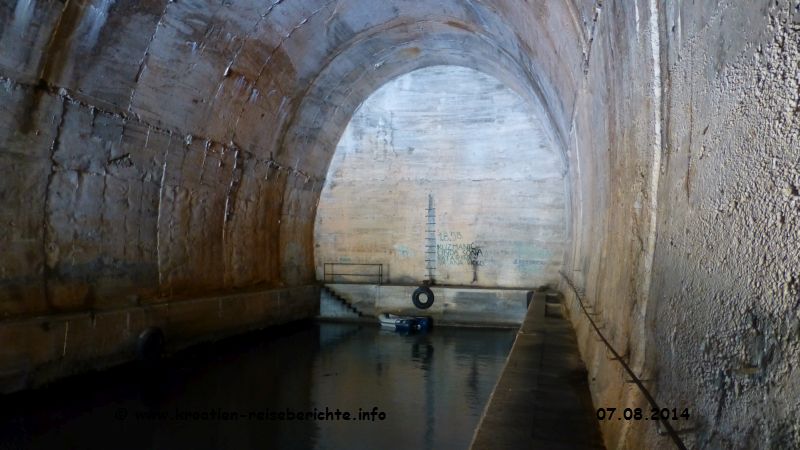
[(208, 173)]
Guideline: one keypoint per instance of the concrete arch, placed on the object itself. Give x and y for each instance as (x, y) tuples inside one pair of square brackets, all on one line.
[(347, 81), (170, 117), (512, 155), (236, 76)]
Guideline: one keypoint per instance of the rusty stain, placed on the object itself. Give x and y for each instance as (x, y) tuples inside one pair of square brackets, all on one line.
[(412, 52), (459, 25)]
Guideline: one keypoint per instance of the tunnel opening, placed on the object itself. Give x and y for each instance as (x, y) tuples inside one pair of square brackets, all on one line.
[(445, 176), (460, 141)]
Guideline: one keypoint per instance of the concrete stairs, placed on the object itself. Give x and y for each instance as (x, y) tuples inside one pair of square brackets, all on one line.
[(334, 306), (553, 306)]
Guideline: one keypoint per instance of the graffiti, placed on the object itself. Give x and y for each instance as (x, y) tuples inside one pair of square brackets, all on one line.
[(531, 258), (528, 262), (459, 254), (530, 255), (474, 259), (450, 236), (403, 251)]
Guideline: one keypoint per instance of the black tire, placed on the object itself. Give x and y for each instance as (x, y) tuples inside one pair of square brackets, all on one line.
[(150, 345), (422, 290)]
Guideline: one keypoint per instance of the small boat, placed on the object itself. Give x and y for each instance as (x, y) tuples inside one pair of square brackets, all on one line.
[(405, 323)]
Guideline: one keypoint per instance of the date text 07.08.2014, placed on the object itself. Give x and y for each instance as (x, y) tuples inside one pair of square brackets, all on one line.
[(640, 414)]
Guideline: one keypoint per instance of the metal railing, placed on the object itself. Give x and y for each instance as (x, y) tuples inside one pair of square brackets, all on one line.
[(650, 399), (352, 272)]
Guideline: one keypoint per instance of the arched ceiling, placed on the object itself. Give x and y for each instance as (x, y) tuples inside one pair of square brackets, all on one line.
[(261, 89), (223, 64)]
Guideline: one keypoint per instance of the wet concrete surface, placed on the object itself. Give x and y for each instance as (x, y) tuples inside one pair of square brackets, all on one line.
[(542, 399), (432, 389)]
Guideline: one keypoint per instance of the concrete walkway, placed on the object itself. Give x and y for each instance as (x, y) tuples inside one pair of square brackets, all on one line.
[(542, 399)]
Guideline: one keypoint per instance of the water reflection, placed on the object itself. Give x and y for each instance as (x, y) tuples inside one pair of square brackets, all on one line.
[(431, 387)]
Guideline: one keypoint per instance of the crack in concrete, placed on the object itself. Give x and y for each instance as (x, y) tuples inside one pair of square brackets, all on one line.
[(228, 69), (587, 55), (143, 61), (285, 38), (230, 202), (159, 256), (46, 269), (575, 16), (67, 96)]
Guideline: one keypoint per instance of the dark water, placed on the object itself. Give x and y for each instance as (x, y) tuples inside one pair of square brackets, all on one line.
[(432, 389)]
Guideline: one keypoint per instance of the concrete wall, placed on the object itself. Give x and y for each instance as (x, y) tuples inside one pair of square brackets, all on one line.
[(482, 155), (727, 263), (684, 160), (40, 349), (452, 305)]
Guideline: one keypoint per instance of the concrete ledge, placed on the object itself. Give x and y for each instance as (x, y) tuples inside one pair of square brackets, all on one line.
[(50, 347), (542, 398), (452, 305)]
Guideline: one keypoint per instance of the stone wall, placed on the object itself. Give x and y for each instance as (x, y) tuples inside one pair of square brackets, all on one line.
[(40, 349)]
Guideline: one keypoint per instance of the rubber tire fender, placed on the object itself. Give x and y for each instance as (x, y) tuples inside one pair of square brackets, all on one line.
[(428, 294)]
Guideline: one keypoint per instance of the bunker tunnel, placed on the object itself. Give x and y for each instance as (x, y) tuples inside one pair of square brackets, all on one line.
[(616, 184)]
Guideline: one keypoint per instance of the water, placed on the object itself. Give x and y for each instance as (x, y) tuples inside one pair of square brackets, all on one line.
[(432, 389)]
